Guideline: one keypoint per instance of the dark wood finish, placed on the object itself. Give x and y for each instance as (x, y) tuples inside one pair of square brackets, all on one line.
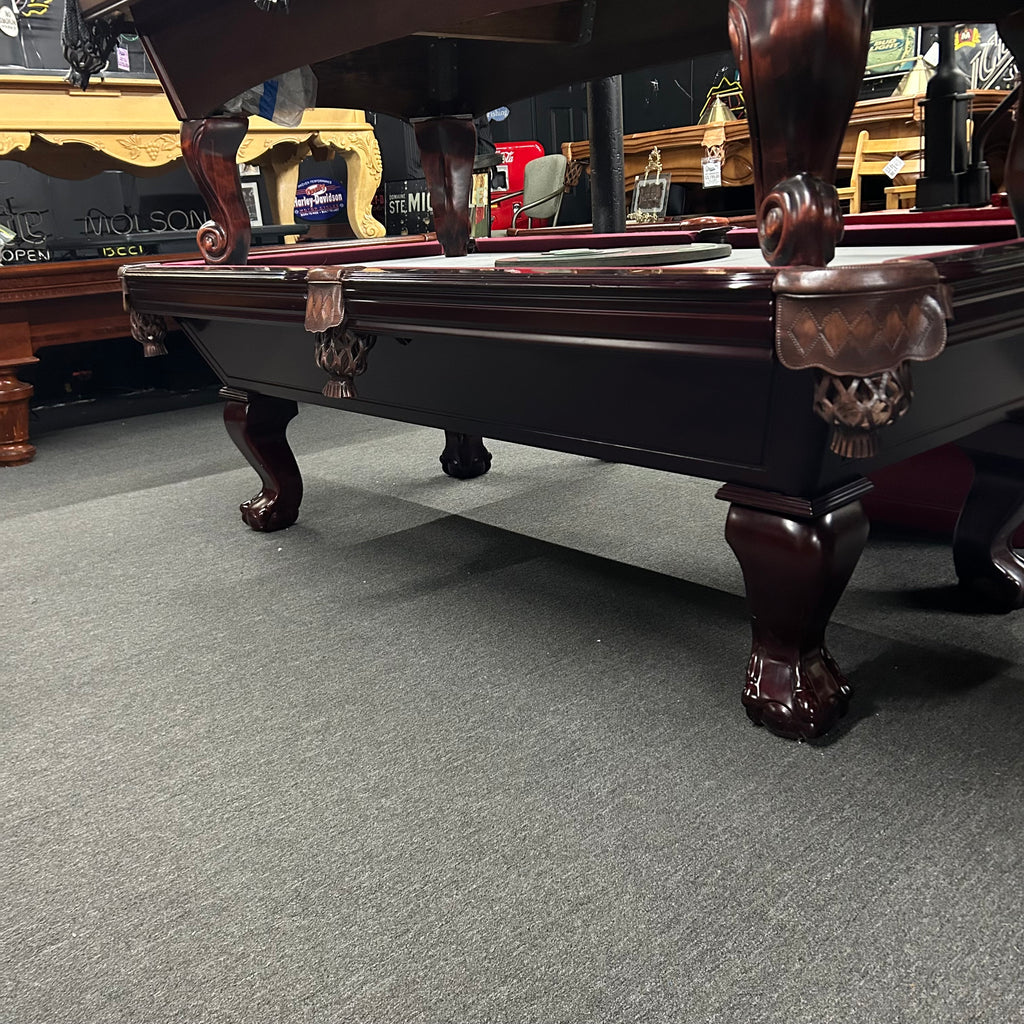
[(149, 332), (988, 567), (795, 571), (201, 71), (209, 146), (795, 507), (447, 149), (257, 423), (564, 22), (342, 355), (780, 48), (464, 456)]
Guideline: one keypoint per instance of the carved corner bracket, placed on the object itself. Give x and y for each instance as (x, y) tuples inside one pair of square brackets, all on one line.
[(148, 329), (860, 328), (340, 351)]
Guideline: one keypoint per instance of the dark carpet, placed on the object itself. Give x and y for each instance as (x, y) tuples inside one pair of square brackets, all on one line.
[(473, 753)]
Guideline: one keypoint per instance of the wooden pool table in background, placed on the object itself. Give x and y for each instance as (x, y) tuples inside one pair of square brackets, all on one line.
[(788, 371), (682, 149), (44, 304)]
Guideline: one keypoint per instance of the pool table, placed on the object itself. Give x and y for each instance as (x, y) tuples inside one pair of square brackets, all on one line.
[(788, 369), (45, 304)]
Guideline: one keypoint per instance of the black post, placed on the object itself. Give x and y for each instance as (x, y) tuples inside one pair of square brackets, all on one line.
[(607, 173), (945, 130)]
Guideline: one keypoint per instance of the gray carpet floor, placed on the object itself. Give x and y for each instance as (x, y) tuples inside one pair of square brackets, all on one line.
[(472, 752)]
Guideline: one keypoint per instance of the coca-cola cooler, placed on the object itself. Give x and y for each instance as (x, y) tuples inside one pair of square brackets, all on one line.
[(508, 180)]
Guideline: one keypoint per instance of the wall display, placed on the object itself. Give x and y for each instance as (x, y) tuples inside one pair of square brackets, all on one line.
[(30, 40), (319, 199), (984, 58), (650, 196), (407, 210), (251, 195), (891, 51), (53, 219)]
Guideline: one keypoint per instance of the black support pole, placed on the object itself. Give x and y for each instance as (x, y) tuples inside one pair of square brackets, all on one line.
[(945, 131), (607, 174)]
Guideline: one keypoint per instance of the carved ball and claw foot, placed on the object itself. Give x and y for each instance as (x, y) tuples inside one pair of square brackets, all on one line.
[(256, 423), (799, 696), (464, 456), (990, 570), (795, 570)]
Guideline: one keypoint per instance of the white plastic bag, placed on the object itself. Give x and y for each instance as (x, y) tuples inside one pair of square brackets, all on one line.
[(281, 100)]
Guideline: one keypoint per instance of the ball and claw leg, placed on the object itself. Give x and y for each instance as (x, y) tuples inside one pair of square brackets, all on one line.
[(464, 456), (256, 423), (795, 571), (990, 570)]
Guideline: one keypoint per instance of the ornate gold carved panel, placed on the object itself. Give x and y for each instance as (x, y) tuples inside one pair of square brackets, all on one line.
[(128, 125)]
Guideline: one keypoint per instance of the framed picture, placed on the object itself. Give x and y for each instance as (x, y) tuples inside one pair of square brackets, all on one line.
[(251, 195), (650, 196)]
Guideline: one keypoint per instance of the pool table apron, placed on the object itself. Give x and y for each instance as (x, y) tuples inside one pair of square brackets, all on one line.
[(674, 369)]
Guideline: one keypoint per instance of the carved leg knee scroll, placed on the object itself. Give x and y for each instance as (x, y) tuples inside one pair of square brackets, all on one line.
[(256, 423), (988, 567), (464, 456), (795, 570), (209, 146)]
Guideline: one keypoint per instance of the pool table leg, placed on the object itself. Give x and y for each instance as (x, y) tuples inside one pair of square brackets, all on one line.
[(795, 569), (447, 150), (257, 423), (464, 456), (209, 146), (990, 571), (15, 352)]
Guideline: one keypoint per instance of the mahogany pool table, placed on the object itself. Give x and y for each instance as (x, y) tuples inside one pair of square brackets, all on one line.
[(674, 368), (782, 371)]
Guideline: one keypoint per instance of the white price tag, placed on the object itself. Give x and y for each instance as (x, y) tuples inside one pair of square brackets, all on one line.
[(893, 167), (711, 169), (8, 22), (123, 61)]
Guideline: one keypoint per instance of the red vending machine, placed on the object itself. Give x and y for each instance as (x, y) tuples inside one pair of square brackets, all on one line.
[(508, 179)]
